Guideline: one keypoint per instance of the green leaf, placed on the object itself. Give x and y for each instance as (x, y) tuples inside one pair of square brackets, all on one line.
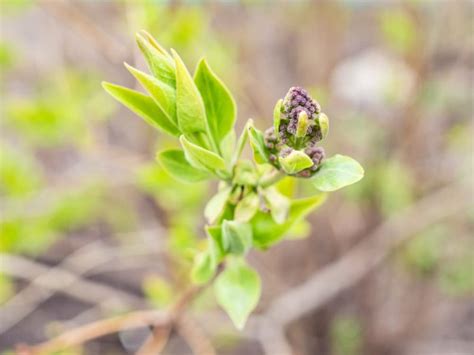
[(337, 172), (267, 232), (277, 116), (227, 147), (218, 101), (215, 206), (237, 290), (189, 104), (159, 61), (247, 208), (295, 162), (204, 268), (258, 144), (215, 233), (201, 158), (144, 106), (236, 237), (175, 164), (279, 204), (164, 95)]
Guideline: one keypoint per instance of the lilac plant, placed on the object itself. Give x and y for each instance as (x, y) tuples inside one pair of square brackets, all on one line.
[(248, 210)]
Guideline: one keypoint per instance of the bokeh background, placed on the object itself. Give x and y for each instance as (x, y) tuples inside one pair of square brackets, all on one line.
[(91, 226)]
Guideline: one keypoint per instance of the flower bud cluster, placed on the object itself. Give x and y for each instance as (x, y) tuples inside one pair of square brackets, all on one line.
[(298, 125)]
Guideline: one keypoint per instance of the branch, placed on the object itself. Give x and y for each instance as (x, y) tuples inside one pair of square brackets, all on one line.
[(363, 258)]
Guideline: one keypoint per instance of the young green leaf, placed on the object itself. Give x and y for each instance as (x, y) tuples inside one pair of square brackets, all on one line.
[(247, 208), (295, 162), (175, 164), (236, 237), (201, 158), (258, 144), (267, 232), (204, 268), (159, 61), (277, 116), (337, 172), (164, 95), (189, 104), (215, 206), (143, 106), (237, 290), (279, 204), (227, 147), (218, 101)]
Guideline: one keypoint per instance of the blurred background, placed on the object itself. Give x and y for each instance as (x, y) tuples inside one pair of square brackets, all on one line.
[(91, 226)]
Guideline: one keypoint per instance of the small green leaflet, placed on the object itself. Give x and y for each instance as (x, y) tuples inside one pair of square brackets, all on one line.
[(201, 158), (258, 144), (236, 237), (159, 61), (175, 164), (215, 206), (218, 101), (237, 290), (247, 208), (144, 106), (189, 104), (337, 172), (295, 162)]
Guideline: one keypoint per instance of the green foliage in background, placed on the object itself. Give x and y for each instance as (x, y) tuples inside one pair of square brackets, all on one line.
[(247, 211)]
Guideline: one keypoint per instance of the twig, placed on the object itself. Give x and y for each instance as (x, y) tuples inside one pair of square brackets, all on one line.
[(369, 253), (98, 329), (53, 280), (194, 336)]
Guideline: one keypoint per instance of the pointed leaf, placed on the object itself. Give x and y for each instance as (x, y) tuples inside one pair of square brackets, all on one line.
[(236, 237), (258, 144), (337, 172), (143, 106), (295, 162), (164, 95), (267, 232), (175, 164), (204, 268), (215, 206), (159, 62), (238, 290), (218, 101), (247, 208), (278, 203), (201, 158), (189, 104)]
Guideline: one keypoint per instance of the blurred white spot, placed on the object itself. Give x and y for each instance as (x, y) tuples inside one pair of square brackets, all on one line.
[(373, 78)]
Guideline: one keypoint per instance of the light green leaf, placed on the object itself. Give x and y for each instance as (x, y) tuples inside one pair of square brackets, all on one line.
[(238, 290), (144, 106), (227, 147), (164, 95), (218, 101), (247, 208), (279, 204), (277, 116), (215, 206), (323, 122), (175, 164), (204, 268), (189, 104), (257, 143), (201, 158), (295, 162), (236, 237), (159, 61), (267, 232), (337, 172)]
